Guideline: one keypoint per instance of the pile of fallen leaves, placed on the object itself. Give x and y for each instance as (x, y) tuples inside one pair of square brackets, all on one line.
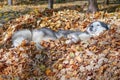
[(98, 58)]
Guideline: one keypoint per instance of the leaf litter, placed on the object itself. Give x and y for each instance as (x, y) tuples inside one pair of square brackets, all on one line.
[(99, 58)]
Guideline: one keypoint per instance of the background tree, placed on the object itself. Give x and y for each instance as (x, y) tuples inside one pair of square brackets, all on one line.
[(9, 2), (92, 6), (50, 4), (106, 2)]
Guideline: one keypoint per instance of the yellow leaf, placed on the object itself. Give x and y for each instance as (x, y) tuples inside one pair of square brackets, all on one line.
[(48, 72)]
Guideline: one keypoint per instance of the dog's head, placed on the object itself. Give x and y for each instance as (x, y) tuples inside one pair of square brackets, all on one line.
[(97, 27)]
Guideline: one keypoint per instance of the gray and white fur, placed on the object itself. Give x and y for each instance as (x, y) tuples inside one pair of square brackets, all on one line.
[(45, 34), (21, 35)]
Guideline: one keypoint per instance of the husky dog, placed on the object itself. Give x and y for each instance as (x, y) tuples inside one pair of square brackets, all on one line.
[(45, 34)]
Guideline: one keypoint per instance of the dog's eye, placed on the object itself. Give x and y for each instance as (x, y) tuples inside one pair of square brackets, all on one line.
[(91, 26), (98, 25)]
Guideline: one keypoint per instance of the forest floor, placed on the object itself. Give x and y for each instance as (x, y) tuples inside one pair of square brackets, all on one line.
[(96, 59)]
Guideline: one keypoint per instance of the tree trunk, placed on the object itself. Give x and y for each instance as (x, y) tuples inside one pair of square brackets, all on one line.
[(10, 2), (50, 4), (92, 6), (106, 2)]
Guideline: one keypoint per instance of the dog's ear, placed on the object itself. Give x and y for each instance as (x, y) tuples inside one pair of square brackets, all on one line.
[(106, 26)]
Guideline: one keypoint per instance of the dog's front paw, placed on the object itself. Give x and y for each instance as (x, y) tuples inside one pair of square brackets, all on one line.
[(68, 42)]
